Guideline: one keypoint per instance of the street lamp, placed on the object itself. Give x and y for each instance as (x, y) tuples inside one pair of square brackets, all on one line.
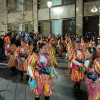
[(49, 4)]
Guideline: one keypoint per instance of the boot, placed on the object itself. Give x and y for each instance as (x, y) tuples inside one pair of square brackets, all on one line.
[(47, 98), (27, 77), (21, 74), (11, 73), (37, 98), (78, 87), (14, 70), (74, 88)]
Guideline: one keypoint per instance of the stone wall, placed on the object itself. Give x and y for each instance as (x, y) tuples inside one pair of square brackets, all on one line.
[(3, 16)]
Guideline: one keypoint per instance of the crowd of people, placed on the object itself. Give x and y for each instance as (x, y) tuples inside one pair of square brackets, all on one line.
[(84, 58), (34, 54)]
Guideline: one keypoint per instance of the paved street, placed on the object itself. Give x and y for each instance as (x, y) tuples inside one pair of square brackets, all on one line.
[(12, 89)]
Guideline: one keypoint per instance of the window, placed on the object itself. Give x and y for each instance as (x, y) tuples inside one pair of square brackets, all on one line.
[(56, 2), (69, 26), (91, 26), (44, 27), (20, 27), (68, 1), (43, 3), (11, 6), (56, 27), (19, 5), (62, 2), (90, 0), (28, 5)]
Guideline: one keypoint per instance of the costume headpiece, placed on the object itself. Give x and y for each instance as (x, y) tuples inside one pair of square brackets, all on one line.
[(77, 40), (6, 39), (28, 34), (91, 46), (98, 38)]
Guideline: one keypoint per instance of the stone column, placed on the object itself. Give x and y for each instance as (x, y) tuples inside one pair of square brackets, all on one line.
[(35, 15), (79, 17), (99, 24)]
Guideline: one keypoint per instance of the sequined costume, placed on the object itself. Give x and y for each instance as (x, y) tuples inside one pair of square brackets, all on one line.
[(10, 52), (43, 81), (93, 89)]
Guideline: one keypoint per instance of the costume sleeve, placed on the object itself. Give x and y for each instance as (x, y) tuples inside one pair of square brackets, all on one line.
[(86, 64), (31, 63), (30, 71), (76, 62), (17, 53)]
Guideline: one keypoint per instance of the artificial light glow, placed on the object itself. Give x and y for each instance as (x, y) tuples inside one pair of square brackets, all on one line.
[(49, 4), (58, 10), (98, 24), (94, 9)]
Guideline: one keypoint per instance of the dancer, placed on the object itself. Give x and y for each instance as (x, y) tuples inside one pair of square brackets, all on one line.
[(21, 56), (10, 54), (92, 79), (38, 64), (77, 69)]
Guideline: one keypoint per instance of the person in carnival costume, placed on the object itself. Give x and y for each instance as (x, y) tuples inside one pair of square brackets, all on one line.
[(88, 56), (77, 69), (29, 46), (98, 40), (70, 52), (60, 47), (38, 67), (98, 45), (10, 53), (29, 51), (70, 55), (29, 38), (21, 56), (92, 79), (83, 44)]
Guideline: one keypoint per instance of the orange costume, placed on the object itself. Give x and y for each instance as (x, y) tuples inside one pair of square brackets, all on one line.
[(21, 56), (43, 80), (60, 47), (10, 52)]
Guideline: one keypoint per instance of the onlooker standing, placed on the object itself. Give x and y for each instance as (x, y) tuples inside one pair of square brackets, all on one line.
[(1, 48)]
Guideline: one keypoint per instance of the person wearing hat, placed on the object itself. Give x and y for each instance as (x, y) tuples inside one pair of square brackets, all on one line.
[(29, 51), (29, 38)]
